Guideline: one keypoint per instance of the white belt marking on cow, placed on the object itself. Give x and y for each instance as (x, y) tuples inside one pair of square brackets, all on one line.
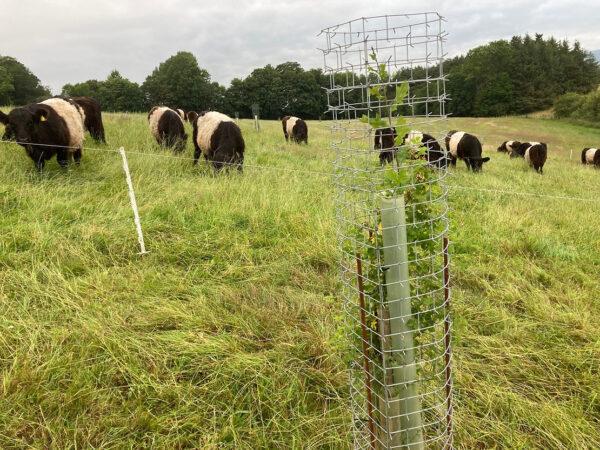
[(289, 125), (454, 140), (414, 136), (589, 155), (154, 119), (72, 117), (207, 125)]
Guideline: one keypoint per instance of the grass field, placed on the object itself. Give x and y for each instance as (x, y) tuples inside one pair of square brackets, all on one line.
[(223, 336)]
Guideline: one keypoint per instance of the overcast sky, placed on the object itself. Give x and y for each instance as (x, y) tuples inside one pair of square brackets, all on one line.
[(69, 41)]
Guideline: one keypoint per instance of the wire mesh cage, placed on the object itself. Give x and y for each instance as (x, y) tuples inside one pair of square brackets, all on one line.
[(387, 98)]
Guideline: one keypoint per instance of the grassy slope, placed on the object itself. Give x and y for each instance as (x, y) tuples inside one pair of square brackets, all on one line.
[(222, 335)]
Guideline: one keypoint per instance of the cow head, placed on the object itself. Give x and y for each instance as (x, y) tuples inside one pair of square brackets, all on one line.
[(477, 163), (191, 115), (503, 147), (22, 124)]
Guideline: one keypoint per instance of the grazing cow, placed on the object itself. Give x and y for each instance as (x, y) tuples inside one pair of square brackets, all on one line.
[(52, 127), (591, 156), (219, 139), (166, 126), (295, 128), (92, 117), (509, 146), (435, 154), (466, 147), (536, 155), (385, 141), (519, 150), (181, 114), (191, 115)]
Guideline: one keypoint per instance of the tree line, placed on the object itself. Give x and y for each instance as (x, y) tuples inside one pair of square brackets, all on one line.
[(503, 77)]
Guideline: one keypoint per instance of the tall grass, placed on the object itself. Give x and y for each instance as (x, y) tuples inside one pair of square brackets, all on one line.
[(224, 335)]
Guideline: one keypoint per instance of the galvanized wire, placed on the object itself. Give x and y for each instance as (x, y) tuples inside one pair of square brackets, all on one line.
[(402, 43)]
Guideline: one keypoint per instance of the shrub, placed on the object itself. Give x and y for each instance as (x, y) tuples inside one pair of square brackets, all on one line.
[(567, 104)]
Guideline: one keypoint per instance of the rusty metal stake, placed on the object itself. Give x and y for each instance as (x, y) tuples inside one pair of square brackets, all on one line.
[(365, 348), (447, 338)]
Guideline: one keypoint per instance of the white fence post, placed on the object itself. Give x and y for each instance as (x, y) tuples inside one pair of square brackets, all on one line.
[(136, 215)]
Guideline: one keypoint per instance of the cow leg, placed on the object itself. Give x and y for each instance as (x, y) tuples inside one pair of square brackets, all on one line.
[(77, 156), (468, 163), (197, 152), (453, 161), (62, 158), (239, 161)]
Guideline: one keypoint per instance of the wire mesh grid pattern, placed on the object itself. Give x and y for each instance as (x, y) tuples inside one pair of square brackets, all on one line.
[(392, 207)]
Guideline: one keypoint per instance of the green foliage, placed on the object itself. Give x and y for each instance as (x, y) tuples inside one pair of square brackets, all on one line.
[(179, 82), (577, 106), (18, 86), (567, 104), (114, 94), (7, 87), (285, 89), (518, 76)]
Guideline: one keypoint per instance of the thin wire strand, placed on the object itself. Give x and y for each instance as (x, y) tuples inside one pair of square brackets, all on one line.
[(180, 158), (530, 194), (315, 172)]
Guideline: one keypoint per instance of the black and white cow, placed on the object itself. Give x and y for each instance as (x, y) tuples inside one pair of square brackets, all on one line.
[(295, 128), (219, 139), (166, 126), (385, 141), (92, 116), (191, 115), (51, 127), (536, 155), (591, 156), (509, 146), (519, 150), (434, 153), (465, 146), (181, 114)]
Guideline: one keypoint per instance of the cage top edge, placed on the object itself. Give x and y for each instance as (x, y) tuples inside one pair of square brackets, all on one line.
[(334, 28)]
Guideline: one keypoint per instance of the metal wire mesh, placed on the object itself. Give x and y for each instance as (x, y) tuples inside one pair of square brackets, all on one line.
[(400, 366)]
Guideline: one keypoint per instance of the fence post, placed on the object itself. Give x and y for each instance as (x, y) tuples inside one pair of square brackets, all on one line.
[(136, 216)]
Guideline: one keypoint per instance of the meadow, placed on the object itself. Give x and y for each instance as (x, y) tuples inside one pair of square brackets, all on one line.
[(224, 335)]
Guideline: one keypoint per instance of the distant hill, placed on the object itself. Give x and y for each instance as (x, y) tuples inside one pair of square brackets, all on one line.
[(597, 54)]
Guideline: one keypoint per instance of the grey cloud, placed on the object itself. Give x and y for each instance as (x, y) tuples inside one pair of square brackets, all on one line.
[(75, 41)]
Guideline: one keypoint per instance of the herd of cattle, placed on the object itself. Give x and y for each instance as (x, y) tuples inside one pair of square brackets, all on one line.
[(56, 127), (465, 146)]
